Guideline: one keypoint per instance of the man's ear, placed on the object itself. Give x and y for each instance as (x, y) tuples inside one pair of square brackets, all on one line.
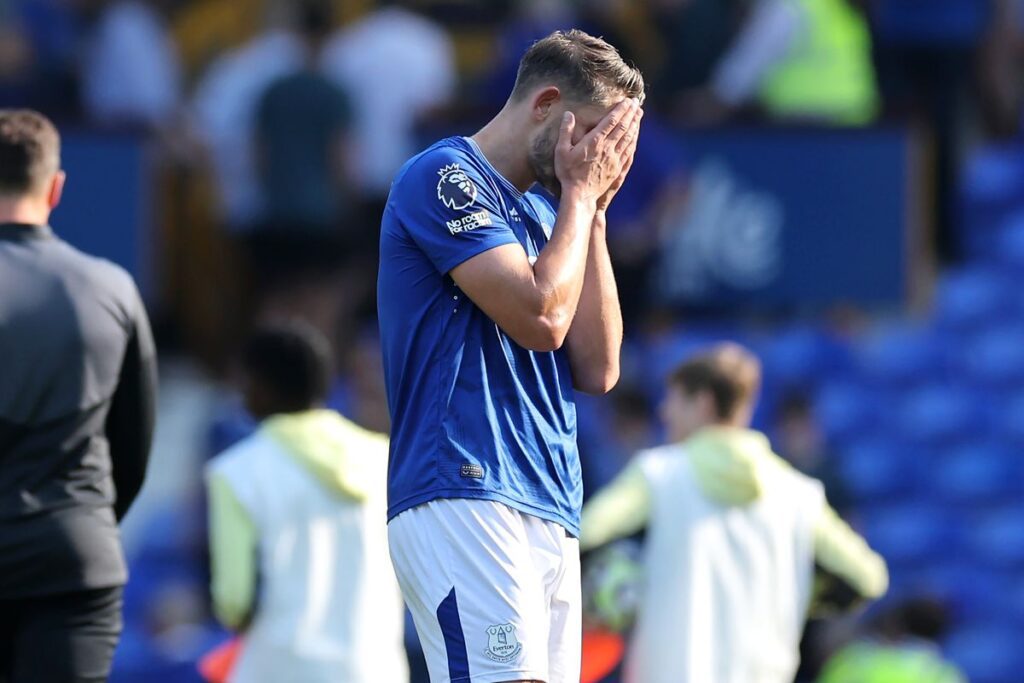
[(544, 101), (56, 189)]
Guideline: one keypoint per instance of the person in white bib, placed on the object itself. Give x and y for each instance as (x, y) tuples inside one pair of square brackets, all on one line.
[(298, 536), (735, 537)]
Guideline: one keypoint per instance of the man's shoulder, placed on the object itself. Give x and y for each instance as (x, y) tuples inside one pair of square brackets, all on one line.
[(240, 456), (80, 267), (434, 162)]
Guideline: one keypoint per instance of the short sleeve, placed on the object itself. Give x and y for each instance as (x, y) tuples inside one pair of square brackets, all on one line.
[(449, 209)]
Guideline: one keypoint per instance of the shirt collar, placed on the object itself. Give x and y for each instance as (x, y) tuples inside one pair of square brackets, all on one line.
[(24, 231), (504, 181)]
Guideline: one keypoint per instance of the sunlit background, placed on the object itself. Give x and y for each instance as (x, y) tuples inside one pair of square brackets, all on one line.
[(838, 184)]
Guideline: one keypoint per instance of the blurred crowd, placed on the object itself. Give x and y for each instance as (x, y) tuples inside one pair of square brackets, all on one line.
[(275, 127)]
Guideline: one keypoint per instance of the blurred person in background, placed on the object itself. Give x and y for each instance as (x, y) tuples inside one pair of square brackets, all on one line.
[(402, 64), (224, 112), (77, 410), (302, 138), (801, 441), (298, 543), (733, 537), (493, 310), (38, 41), (901, 647), (131, 75), (802, 61)]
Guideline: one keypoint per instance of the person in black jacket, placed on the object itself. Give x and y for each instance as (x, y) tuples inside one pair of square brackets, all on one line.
[(77, 406)]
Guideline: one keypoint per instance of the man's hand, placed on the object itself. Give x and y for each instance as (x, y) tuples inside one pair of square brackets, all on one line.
[(628, 144), (591, 167)]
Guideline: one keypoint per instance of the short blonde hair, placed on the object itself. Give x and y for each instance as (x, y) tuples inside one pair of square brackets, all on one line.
[(729, 372)]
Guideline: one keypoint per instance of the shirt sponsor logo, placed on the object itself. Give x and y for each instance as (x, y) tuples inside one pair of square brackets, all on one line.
[(455, 189), (515, 215), (469, 222), (502, 644)]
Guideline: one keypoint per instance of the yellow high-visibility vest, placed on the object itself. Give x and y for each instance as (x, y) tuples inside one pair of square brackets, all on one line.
[(828, 74)]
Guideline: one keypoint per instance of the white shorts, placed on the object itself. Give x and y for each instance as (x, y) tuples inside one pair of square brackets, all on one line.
[(494, 593)]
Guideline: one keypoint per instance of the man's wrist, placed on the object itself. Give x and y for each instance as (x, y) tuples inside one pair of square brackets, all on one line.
[(600, 221), (583, 200)]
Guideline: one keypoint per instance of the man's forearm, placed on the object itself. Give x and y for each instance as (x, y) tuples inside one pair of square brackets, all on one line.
[(595, 338), (560, 269)]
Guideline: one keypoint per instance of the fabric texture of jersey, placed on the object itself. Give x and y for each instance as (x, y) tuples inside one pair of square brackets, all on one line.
[(494, 592), (474, 414), (329, 606), (727, 584)]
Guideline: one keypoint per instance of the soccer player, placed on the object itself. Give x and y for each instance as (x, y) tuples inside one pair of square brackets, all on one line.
[(734, 535), (77, 410), (492, 309), (297, 538)]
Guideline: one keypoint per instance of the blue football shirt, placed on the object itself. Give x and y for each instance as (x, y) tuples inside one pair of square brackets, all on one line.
[(474, 415)]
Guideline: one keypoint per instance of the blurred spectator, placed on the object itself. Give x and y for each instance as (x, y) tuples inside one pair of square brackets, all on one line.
[(402, 65), (131, 75), (901, 649), (801, 441), (38, 39), (297, 528), (302, 126), (302, 130), (797, 60), (225, 107)]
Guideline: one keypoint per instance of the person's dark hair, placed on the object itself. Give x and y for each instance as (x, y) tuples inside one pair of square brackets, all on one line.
[(292, 363), (586, 68), (29, 151), (729, 372), (315, 18)]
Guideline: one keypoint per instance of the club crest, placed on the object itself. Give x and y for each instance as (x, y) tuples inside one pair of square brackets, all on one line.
[(502, 644), (455, 189)]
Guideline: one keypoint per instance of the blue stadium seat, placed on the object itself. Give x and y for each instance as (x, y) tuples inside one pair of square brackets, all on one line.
[(1009, 244), (939, 414), (900, 354), (997, 539), (847, 410), (987, 654), (913, 534), (798, 356), (994, 358), (971, 297), (976, 474), (1009, 419), (876, 470), (971, 594), (991, 191)]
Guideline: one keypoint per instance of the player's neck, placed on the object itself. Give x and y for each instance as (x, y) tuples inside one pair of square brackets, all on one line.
[(23, 210), (505, 151)]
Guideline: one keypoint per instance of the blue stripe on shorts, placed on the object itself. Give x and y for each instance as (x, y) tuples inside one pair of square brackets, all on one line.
[(454, 639)]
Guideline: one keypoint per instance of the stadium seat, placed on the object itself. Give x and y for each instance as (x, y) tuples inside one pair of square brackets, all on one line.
[(994, 358), (992, 185), (1009, 419), (876, 470), (973, 296), (846, 410), (987, 653), (1009, 244), (970, 593), (799, 356), (997, 539), (900, 355), (976, 474), (940, 414), (912, 534)]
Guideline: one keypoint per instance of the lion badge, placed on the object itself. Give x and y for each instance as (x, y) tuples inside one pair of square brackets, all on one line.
[(455, 189)]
